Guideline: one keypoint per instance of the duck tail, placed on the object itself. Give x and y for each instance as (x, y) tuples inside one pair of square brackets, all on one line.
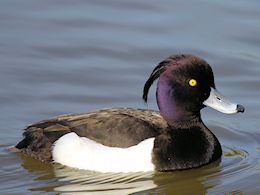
[(35, 144)]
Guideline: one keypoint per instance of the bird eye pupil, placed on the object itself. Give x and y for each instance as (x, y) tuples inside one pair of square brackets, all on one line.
[(193, 82)]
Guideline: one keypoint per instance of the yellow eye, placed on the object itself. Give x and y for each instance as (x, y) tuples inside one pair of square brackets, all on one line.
[(193, 82)]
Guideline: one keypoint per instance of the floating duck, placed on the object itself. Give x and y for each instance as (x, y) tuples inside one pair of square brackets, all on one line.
[(133, 140)]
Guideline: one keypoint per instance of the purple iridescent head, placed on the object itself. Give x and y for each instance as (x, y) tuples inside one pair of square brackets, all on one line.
[(185, 86)]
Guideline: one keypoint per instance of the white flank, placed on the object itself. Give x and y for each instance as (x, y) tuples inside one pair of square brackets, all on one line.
[(83, 153)]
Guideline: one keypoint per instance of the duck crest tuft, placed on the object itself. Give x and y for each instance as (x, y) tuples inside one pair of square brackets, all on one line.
[(158, 70)]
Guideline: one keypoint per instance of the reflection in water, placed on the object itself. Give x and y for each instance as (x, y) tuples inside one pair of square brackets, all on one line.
[(74, 181), (109, 183)]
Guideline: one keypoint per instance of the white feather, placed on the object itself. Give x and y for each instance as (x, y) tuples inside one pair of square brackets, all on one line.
[(83, 153)]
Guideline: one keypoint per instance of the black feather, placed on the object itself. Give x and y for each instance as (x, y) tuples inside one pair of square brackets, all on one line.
[(157, 71)]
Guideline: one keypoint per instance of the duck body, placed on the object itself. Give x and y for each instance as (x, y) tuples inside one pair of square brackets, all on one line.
[(133, 126), (115, 127), (128, 139), (199, 146)]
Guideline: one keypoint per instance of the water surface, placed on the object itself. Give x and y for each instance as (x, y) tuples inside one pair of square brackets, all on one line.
[(60, 57)]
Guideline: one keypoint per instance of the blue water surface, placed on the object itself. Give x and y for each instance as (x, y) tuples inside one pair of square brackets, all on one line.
[(61, 56)]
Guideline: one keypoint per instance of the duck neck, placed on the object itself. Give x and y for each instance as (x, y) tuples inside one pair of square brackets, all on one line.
[(175, 114), (174, 149)]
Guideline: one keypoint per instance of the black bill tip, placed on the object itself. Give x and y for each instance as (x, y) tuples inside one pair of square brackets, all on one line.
[(240, 108)]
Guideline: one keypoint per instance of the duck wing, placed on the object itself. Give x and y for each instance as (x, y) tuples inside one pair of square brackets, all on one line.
[(117, 127)]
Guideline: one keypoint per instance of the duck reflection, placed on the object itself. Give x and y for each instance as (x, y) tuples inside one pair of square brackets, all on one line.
[(66, 180)]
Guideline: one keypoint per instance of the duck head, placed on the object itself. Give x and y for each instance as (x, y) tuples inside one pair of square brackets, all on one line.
[(185, 86)]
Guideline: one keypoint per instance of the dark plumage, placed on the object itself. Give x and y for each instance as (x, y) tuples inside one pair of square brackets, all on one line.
[(181, 139), (116, 127)]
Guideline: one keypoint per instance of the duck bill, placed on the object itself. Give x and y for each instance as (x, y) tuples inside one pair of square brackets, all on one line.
[(221, 104)]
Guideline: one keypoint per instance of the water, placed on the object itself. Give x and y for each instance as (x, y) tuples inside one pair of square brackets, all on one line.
[(66, 56)]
